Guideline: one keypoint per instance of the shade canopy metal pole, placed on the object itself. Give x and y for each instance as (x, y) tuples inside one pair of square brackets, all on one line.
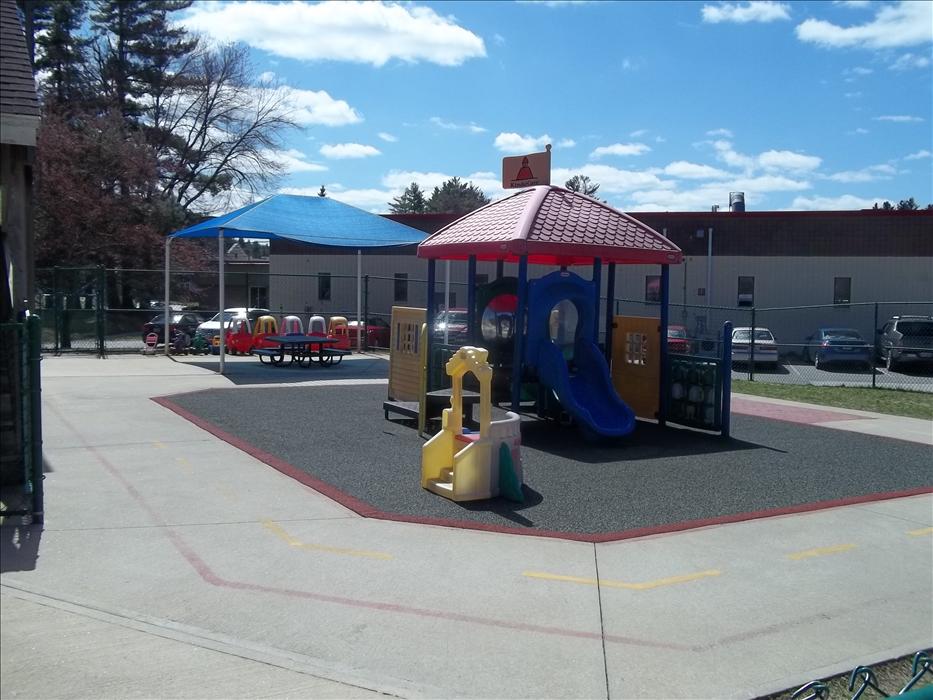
[(598, 283), (359, 301), (471, 300), (429, 321), (663, 390), (220, 295), (168, 262)]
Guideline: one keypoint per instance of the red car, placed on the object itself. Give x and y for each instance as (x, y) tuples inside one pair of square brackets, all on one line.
[(677, 340), (377, 333)]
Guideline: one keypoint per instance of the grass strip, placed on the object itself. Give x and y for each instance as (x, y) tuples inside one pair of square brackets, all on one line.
[(897, 402)]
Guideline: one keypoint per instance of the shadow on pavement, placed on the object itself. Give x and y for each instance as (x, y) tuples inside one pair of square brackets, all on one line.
[(648, 441), (246, 373), (505, 508), (19, 547)]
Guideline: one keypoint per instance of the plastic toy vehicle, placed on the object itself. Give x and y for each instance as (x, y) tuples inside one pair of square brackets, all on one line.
[(906, 339), (239, 339), (838, 345), (211, 329), (766, 352)]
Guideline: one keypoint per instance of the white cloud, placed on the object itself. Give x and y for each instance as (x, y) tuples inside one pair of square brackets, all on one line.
[(453, 126), (400, 179), (852, 95), (694, 171), (846, 201), (872, 173), (510, 142), (731, 157), (612, 180), (267, 77), (638, 133), (720, 132), (358, 32), (898, 118), (630, 64), (620, 149), (554, 3), (316, 107), (766, 183), (788, 160), (566, 143), (294, 161), (764, 11), (910, 61), (924, 153), (385, 136), (853, 3), (348, 150), (858, 70), (857, 131), (904, 24)]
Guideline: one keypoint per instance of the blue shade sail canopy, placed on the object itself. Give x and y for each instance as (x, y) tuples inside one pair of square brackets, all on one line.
[(313, 220)]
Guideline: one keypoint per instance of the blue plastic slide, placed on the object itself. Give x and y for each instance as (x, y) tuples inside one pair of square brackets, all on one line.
[(586, 393)]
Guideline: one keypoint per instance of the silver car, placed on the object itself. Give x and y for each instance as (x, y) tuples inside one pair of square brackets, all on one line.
[(766, 351)]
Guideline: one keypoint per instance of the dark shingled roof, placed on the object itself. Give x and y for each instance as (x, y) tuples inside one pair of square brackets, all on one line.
[(17, 84)]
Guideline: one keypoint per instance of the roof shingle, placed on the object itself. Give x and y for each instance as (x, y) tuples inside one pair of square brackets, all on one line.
[(17, 83)]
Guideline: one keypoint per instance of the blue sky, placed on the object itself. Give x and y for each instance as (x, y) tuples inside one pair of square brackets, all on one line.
[(668, 105)]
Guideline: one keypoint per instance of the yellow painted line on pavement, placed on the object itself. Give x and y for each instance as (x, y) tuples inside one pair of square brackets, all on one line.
[(186, 465), (821, 551), (158, 444), (922, 531), (606, 583), (283, 535)]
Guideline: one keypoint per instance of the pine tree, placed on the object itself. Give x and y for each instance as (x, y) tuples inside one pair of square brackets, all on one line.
[(322, 192), (411, 201), (456, 197), (62, 51), (582, 184)]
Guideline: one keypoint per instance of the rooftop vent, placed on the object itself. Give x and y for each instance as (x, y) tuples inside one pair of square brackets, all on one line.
[(736, 201)]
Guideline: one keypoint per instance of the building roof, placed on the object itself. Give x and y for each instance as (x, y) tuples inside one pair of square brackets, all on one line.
[(17, 84), (552, 226), (312, 220)]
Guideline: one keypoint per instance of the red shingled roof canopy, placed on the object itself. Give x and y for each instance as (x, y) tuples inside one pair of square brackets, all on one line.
[(552, 226)]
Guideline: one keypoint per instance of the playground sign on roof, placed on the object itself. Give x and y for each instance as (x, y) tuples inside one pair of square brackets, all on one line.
[(527, 171)]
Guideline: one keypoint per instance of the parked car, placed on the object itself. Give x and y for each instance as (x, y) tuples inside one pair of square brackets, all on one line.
[(211, 329), (455, 323), (838, 345), (184, 321), (906, 339), (677, 340), (377, 332), (766, 351)]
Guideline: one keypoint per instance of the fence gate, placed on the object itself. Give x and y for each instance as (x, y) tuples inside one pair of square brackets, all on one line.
[(636, 363)]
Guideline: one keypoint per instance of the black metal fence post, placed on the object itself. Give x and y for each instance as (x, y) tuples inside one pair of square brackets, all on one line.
[(101, 316), (874, 382), (34, 345), (751, 352), (725, 413)]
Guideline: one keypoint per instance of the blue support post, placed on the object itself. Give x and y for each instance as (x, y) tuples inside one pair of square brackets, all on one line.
[(500, 269), (429, 319), (726, 409), (519, 333), (598, 283), (663, 374), (610, 307), (471, 300)]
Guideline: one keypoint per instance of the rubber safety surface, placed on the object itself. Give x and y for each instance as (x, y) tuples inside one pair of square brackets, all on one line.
[(337, 440)]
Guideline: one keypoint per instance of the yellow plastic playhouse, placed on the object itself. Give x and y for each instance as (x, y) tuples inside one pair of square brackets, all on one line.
[(467, 466)]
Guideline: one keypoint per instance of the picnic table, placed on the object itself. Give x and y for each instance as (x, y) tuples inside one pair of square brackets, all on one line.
[(300, 348)]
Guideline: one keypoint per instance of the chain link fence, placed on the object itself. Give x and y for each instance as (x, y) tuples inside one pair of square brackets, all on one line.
[(856, 344), (98, 310)]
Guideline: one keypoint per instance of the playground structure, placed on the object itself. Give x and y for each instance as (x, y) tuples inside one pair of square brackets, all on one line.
[(543, 334), (464, 465)]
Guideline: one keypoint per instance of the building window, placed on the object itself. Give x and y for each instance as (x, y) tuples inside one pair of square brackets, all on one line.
[(323, 286), (401, 286), (652, 287), (258, 297), (746, 295), (842, 290)]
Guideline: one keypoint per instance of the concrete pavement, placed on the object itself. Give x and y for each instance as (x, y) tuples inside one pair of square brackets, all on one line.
[(167, 551)]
